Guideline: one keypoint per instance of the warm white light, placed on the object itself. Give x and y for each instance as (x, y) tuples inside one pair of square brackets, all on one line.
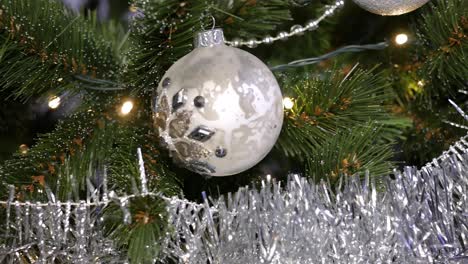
[(127, 106), (288, 103), (54, 102), (401, 39), (421, 83), (23, 148)]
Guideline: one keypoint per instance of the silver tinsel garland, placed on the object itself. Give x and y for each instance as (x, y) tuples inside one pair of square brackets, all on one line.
[(55, 232), (421, 216)]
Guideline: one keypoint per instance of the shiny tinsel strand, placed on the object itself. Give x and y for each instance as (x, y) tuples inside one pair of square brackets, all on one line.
[(421, 217), (55, 232)]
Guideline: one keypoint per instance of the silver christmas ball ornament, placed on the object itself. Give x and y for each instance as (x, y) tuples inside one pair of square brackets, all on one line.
[(390, 7), (218, 109)]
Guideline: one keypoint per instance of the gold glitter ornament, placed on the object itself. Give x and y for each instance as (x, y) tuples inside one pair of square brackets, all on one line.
[(390, 7)]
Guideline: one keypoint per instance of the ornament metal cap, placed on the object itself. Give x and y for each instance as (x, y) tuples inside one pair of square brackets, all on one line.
[(209, 38)]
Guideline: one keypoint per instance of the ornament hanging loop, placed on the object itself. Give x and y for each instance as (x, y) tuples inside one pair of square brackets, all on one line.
[(213, 22), (202, 21), (208, 37)]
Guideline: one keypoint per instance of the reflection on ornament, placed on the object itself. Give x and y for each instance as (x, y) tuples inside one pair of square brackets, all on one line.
[(390, 7), (219, 109), (288, 103), (126, 108), (54, 102), (401, 39)]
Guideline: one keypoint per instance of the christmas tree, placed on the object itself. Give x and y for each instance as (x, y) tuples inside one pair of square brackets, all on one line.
[(154, 136)]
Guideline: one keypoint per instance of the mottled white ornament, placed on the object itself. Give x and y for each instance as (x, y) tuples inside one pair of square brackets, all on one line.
[(390, 7), (218, 109)]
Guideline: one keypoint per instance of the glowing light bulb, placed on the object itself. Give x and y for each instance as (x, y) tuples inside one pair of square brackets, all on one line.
[(132, 8), (23, 149), (401, 39), (288, 103), (54, 102), (127, 106)]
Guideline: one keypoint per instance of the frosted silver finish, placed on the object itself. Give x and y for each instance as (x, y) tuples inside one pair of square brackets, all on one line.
[(390, 7), (242, 109)]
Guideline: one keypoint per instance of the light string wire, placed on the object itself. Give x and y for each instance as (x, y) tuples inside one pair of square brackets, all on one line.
[(315, 60)]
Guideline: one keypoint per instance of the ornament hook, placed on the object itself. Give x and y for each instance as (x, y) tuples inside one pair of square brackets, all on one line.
[(213, 22), (213, 19)]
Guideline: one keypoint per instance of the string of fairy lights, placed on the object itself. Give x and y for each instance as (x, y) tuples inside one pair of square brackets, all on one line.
[(126, 107)]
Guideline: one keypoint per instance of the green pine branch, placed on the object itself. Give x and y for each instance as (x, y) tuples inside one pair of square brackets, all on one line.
[(251, 18), (443, 31), (140, 239), (161, 37), (332, 102), (330, 112), (43, 46), (310, 44), (31, 171), (351, 152), (430, 73), (165, 33), (78, 150), (91, 139)]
